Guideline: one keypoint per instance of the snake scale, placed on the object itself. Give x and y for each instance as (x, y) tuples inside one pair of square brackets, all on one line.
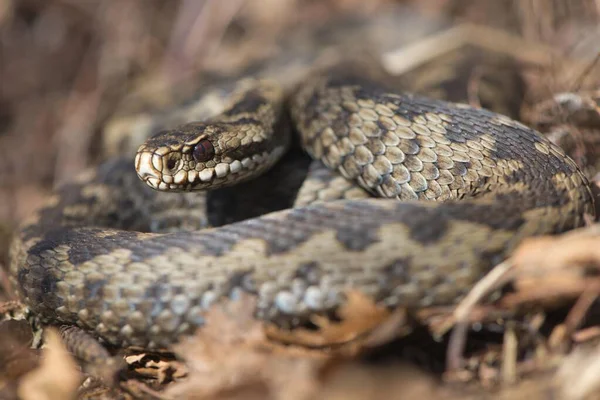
[(471, 183)]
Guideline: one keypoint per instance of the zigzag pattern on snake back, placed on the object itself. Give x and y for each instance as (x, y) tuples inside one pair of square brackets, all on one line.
[(495, 182)]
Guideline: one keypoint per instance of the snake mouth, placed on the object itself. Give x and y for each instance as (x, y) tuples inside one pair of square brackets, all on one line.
[(174, 172)]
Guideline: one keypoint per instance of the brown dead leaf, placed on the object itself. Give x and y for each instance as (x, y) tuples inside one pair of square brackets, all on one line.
[(231, 356), (557, 251), (551, 291), (578, 375), (173, 370), (16, 356), (134, 358), (159, 367), (359, 316), (355, 381), (57, 378), (554, 266)]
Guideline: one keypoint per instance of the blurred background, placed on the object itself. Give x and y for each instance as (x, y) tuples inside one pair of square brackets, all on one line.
[(69, 66)]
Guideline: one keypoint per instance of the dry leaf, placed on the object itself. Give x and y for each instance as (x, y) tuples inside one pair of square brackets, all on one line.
[(553, 267), (359, 316), (16, 356), (358, 382), (231, 355), (578, 247), (579, 374), (57, 378)]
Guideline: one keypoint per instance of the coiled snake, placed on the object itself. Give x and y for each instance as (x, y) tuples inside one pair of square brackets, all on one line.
[(494, 182)]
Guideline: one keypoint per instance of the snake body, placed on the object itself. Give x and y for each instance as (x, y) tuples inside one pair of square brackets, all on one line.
[(493, 182)]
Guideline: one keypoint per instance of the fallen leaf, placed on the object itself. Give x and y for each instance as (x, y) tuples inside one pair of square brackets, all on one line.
[(359, 316), (57, 377), (16, 356), (551, 268), (231, 355), (578, 376)]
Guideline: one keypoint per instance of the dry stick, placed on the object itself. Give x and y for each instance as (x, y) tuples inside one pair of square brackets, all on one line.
[(495, 278), (542, 347), (456, 346), (408, 57), (533, 329), (580, 308), (586, 334), (510, 347), (413, 55), (473, 87), (584, 74), (198, 31)]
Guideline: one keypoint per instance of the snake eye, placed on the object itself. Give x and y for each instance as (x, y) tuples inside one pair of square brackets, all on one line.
[(204, 151)]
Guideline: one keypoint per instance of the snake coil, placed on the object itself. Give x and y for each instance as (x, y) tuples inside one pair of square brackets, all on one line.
[(483, 183)]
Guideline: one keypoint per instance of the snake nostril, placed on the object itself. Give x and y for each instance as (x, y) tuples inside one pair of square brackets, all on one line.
[(173, 161)]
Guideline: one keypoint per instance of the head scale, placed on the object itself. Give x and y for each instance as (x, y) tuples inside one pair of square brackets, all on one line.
[(205, 156)]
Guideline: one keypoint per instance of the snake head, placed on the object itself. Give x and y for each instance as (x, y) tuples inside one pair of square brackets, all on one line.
[(200, 156)]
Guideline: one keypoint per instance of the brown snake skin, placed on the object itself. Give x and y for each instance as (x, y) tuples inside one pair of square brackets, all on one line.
[(495, 182)]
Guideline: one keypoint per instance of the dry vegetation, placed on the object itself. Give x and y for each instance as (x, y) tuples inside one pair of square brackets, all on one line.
[(69, 66)]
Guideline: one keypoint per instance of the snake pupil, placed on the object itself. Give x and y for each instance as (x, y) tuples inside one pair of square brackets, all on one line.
[(204, 151)]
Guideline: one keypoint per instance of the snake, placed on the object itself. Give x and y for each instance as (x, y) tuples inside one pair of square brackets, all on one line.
[(409, 200)]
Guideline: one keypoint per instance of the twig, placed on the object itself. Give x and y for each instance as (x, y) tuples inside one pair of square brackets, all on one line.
[(473, 87), (580, 309), (585, 73), (496, 277), (493, 279), (509, 354), (456, 346), (197, 32)]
